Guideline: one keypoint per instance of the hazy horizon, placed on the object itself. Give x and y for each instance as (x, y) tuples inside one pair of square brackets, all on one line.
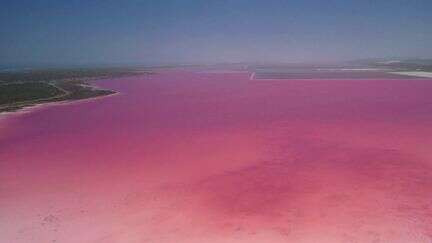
[(182, 32)]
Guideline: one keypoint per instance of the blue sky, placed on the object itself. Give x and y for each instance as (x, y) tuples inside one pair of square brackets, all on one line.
[(192, 31)]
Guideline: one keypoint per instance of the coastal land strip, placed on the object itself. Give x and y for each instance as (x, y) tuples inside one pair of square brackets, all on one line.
[(24, 88)]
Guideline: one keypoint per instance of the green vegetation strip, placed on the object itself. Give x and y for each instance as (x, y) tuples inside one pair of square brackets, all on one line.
[(24, 92), (30, 87)]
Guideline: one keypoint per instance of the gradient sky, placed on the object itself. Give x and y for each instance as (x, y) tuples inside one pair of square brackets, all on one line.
[(192, 31)]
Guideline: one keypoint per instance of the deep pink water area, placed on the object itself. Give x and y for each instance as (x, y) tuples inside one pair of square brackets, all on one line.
[(189, 156)]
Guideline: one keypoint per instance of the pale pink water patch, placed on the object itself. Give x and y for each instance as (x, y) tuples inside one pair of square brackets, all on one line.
[(184, 156)]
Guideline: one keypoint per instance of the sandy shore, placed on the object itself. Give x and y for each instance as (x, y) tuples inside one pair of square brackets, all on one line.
[(35, 107)]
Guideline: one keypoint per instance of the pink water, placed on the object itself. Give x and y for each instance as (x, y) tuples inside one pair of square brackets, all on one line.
[(183, 156)]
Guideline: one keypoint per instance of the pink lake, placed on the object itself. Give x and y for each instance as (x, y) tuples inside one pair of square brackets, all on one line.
[(190, 156)]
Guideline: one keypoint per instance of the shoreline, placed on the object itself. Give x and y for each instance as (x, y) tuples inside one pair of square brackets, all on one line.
[(37, 106), (402, 76), (31, 108), (91, 82), (420, 74), (68, 96)]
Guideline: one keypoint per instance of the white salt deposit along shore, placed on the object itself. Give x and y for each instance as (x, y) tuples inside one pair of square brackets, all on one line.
[(416, 74)]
